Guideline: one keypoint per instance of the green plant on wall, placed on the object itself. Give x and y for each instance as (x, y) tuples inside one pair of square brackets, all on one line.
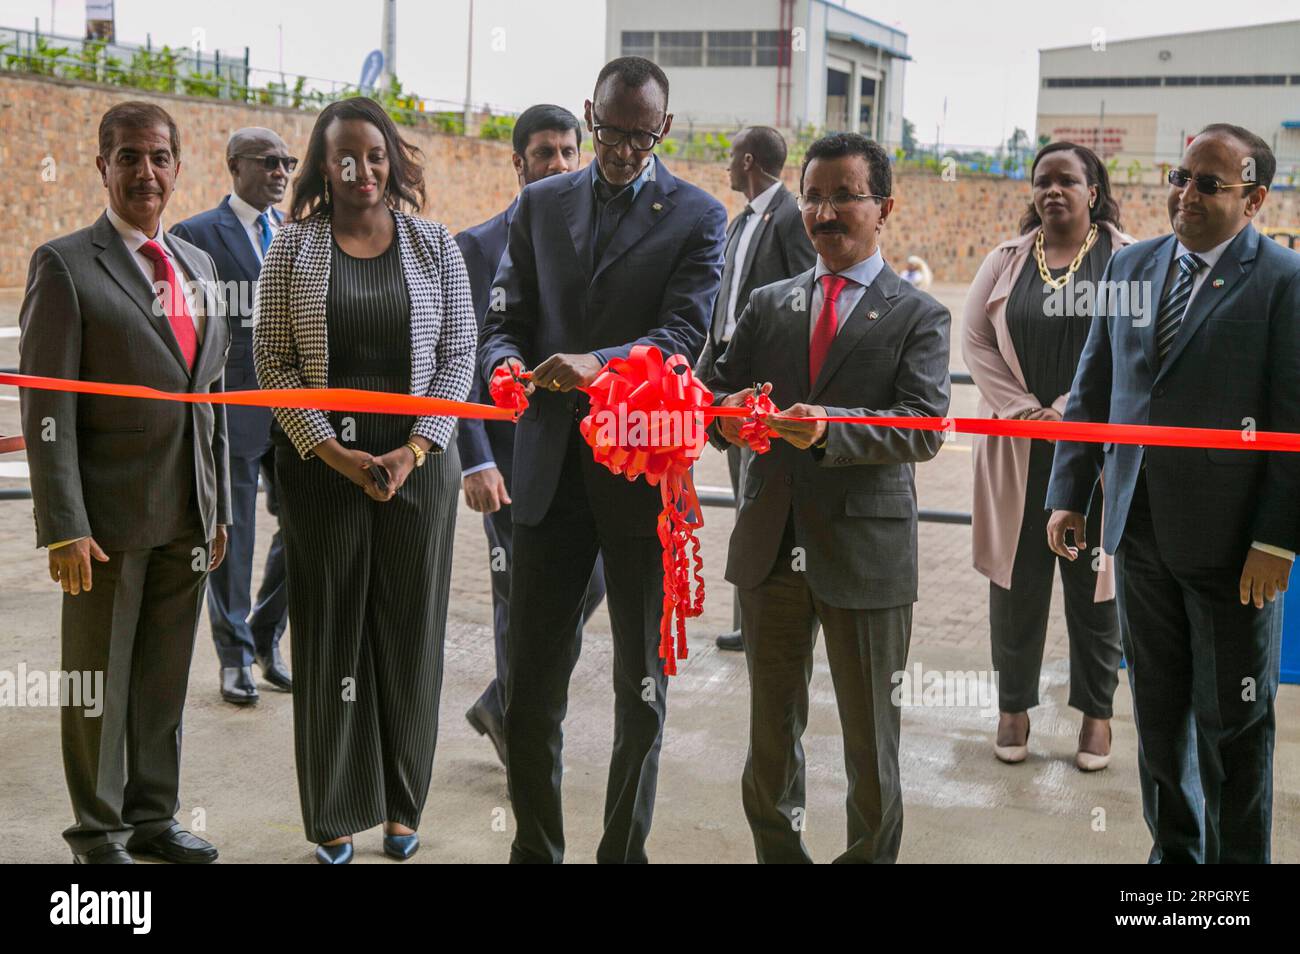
[(498, 128), (42, 59), (202, 84), (154, 71)]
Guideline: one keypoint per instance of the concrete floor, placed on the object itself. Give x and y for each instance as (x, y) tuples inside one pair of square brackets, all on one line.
[(962, 805)]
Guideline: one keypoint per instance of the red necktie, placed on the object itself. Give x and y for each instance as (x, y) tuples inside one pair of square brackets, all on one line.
[(172, 297), (827, 324)]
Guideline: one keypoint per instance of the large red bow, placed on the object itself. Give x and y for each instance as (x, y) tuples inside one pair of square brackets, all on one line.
[(646, 419)]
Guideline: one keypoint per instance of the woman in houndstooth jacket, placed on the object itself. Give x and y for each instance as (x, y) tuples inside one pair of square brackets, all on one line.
[(357, 293)]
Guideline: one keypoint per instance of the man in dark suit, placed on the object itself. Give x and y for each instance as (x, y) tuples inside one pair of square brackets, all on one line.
[(138, 487), (826, 532), (1203, 539), (765, 243), (617, 254), (546, 140), (237, 234)]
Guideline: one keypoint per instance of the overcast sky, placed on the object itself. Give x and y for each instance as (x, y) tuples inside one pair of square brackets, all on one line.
[(981, 56)]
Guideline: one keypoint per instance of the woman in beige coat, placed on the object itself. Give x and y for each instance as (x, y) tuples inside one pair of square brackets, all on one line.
[(1026, 319)]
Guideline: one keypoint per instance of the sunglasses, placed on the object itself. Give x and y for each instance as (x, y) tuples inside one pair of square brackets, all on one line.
[(269, 163), (1206, 184)]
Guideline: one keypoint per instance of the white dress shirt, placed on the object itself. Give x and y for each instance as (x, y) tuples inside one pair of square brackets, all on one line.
[(248, 217), (1211, 258), (134, 239), (759, 204), (859, 277)]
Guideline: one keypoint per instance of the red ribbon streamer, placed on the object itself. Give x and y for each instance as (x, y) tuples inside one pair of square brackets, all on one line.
[(644, 382), (630, 398), (319, 399)]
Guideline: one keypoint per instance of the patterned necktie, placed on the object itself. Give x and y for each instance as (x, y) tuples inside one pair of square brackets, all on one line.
[(264, 231), (828, 322), (1175, 303), (172, 297)]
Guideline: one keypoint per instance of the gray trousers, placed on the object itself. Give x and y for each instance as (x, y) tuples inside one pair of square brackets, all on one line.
[(780, 617), (136, 626)]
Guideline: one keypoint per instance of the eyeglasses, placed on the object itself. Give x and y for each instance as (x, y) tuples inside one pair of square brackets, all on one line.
[(840, 201), (639, 139), (269, 163), (1205, 185)]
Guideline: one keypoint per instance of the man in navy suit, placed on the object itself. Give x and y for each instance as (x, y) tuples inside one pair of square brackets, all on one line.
[(1203, 539), (615, 255), (546, 143), (237, 234)]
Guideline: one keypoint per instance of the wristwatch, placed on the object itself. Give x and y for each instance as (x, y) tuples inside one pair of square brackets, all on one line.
[(418, 451)]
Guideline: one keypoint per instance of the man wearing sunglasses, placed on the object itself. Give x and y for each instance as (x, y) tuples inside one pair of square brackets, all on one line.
[(1204, 539), (618, 254), (237, 234)]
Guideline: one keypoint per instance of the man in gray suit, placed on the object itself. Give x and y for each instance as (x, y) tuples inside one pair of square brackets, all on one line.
[(826, 531), (131, 497), (765, 243)]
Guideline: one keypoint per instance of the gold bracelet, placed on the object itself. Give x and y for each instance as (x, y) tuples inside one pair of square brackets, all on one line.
[(418, 452)]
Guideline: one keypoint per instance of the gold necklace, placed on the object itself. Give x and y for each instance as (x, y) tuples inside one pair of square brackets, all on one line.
[(1043, 271)]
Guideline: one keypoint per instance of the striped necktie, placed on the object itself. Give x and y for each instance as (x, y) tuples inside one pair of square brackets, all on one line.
[(1175, 303)]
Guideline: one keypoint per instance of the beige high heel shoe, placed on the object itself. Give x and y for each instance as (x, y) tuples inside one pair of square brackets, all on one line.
[(1091, 761), (1013, 754)]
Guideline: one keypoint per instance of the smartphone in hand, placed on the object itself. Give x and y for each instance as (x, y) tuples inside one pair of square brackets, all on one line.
[(380, 476)]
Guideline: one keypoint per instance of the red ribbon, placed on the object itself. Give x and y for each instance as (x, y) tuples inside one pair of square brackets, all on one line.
[(755, 431), (634, 400), (507, 389), (644, 382)]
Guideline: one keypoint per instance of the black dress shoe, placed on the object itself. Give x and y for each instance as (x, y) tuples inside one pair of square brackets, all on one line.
[(237, 685), (177, 846), (731, 642), (110, 853), (274, 671), (485, 722)]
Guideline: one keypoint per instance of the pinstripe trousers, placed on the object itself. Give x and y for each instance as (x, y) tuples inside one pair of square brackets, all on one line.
[(368, 590)]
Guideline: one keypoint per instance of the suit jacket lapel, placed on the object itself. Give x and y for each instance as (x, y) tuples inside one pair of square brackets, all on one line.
[(870, 310), (579, 207), (719, 323), (796, 335), (640, 218), (121, 265), (1154, 273), (236, 240), (1231, 267), (764, 221)]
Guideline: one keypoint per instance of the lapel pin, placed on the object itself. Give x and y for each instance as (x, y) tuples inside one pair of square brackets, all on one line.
[(1217, 283), (657, 207), (872, 316), (767, 217)]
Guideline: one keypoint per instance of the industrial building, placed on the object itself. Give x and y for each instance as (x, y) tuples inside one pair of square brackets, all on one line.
[(793, 64), (1143, 99)]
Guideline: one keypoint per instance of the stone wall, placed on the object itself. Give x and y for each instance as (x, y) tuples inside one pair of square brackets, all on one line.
[(47, 166)]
